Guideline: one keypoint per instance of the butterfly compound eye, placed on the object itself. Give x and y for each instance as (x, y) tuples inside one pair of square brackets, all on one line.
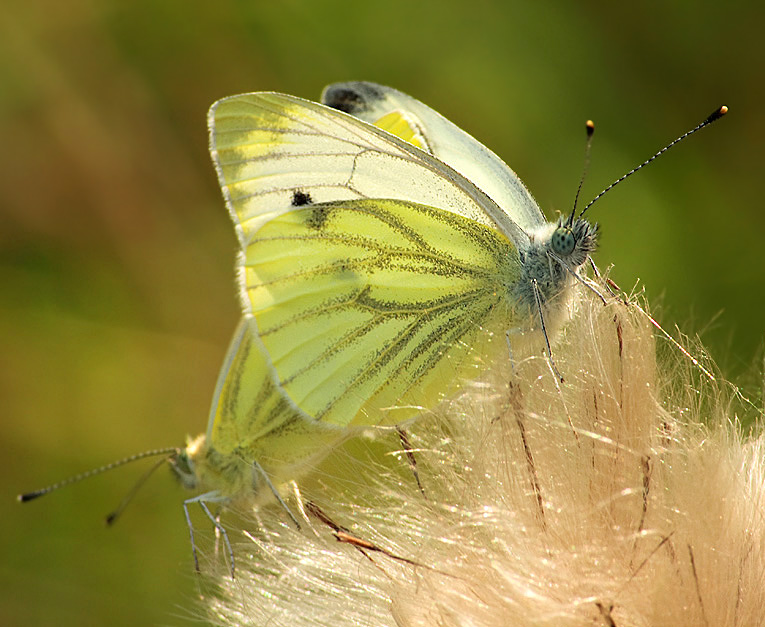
[(563, 241)]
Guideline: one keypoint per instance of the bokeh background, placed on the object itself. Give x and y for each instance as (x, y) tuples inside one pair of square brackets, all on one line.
[(116, 252)]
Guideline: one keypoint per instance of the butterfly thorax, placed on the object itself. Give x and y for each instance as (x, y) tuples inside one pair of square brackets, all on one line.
[(555, 251)]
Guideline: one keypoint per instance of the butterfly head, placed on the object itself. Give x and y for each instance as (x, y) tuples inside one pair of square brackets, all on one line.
[(202, 468), (573, 240), (184, 462)]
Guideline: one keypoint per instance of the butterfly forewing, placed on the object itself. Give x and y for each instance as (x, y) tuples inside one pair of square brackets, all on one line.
[(272, 149)]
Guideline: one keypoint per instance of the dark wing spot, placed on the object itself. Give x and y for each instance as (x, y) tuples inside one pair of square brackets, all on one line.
[(344, 99), (353, 98), (300, 198)]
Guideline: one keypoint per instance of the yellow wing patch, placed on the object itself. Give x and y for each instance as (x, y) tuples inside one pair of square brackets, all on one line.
[(403, 126)]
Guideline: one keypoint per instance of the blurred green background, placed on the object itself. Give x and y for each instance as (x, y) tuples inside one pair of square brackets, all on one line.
[(116, 252)]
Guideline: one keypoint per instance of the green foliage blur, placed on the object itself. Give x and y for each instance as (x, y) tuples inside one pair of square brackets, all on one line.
[(116, 252)]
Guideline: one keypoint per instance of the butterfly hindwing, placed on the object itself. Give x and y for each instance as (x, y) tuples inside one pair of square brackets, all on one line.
[(252, 418), (361, 303)]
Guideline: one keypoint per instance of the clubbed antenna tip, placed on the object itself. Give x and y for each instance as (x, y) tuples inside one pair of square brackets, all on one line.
[(713, 117)]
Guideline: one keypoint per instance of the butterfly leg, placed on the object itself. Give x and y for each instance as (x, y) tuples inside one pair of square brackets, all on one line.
[(538, 299), (276, 494), (584, 281), (613, 288), (202, 499), (588, 284), (191, 533), (219, 529)]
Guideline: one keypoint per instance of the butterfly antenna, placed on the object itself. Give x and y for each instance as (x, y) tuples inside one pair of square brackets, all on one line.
[(716, 115), (590, 130), (112, 518), (23, 498)]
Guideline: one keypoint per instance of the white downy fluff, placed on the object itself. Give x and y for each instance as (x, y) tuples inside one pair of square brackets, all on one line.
[(625, 496)]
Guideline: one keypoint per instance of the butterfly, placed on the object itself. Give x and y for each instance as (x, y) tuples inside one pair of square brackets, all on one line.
[(384, 254)]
